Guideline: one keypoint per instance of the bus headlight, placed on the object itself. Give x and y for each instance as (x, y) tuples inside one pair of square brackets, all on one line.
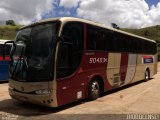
[(43, 91)]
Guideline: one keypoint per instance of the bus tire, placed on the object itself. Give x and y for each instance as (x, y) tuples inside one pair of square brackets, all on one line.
[(147, 75), (94, 90)]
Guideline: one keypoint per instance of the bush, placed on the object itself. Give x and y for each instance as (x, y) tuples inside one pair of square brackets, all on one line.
[(10, 22)]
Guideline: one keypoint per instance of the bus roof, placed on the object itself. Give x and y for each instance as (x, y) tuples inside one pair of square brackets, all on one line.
[(68, 19)]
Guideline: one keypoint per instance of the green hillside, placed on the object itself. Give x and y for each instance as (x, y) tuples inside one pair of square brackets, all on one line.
[(152, 32), (8, 32)]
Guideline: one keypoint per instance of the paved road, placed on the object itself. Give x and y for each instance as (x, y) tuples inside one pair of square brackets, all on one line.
[(142, 97)]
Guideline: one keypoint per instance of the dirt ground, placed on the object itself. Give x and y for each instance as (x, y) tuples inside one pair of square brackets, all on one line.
[(139, 98)]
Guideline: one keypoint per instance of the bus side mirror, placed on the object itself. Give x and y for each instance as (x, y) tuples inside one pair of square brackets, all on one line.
[(4, 46)]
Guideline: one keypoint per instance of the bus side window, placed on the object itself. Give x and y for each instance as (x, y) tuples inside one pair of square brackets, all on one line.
[(70, 52), (91, 38), (96, 38), (7, 49)]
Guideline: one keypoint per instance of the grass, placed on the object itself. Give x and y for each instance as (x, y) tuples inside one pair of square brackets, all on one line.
[(152, 32), (9, 32)]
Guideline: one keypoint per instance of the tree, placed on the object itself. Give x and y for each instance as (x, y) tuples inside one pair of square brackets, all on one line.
[(10, 22), (114, 25)]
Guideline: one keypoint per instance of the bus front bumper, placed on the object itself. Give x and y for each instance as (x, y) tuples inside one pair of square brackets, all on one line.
[(48, 100)]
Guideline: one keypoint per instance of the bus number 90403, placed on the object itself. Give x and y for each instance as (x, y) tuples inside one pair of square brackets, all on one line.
[(97, 60)]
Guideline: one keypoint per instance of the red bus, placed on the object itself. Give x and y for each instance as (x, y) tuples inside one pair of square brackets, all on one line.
[(62, 60)]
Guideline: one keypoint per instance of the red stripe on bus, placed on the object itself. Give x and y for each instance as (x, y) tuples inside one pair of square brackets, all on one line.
[(147, 56), (123, 66), (7, 58)]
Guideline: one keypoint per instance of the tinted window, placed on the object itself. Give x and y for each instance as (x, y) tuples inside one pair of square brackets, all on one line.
[(42, 36), (7, 49), (96, 38), (70, 52), (112, 41), (36, 44)]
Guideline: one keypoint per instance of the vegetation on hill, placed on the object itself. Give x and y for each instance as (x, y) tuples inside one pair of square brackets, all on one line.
[(10, 22), (8, 32), (152, 32)]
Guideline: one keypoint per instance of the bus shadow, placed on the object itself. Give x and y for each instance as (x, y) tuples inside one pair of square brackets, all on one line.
[(124, 87), (1, 82), (26, 109)]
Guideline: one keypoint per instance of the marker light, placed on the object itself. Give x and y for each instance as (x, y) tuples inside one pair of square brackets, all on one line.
[(43, 91)]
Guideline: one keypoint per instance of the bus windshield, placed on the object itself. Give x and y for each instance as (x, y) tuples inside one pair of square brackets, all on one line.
[(34, 55)]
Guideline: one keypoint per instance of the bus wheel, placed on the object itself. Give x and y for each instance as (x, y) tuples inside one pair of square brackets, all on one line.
[(94, 90), (147, 75)]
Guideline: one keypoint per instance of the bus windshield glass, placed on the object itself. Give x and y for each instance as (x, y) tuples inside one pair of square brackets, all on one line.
[(34, 55)]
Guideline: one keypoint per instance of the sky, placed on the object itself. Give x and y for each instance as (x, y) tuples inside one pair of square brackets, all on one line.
[(125, 13)]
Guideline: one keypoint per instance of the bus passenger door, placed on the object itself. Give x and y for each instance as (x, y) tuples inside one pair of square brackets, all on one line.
[(69, 85)]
